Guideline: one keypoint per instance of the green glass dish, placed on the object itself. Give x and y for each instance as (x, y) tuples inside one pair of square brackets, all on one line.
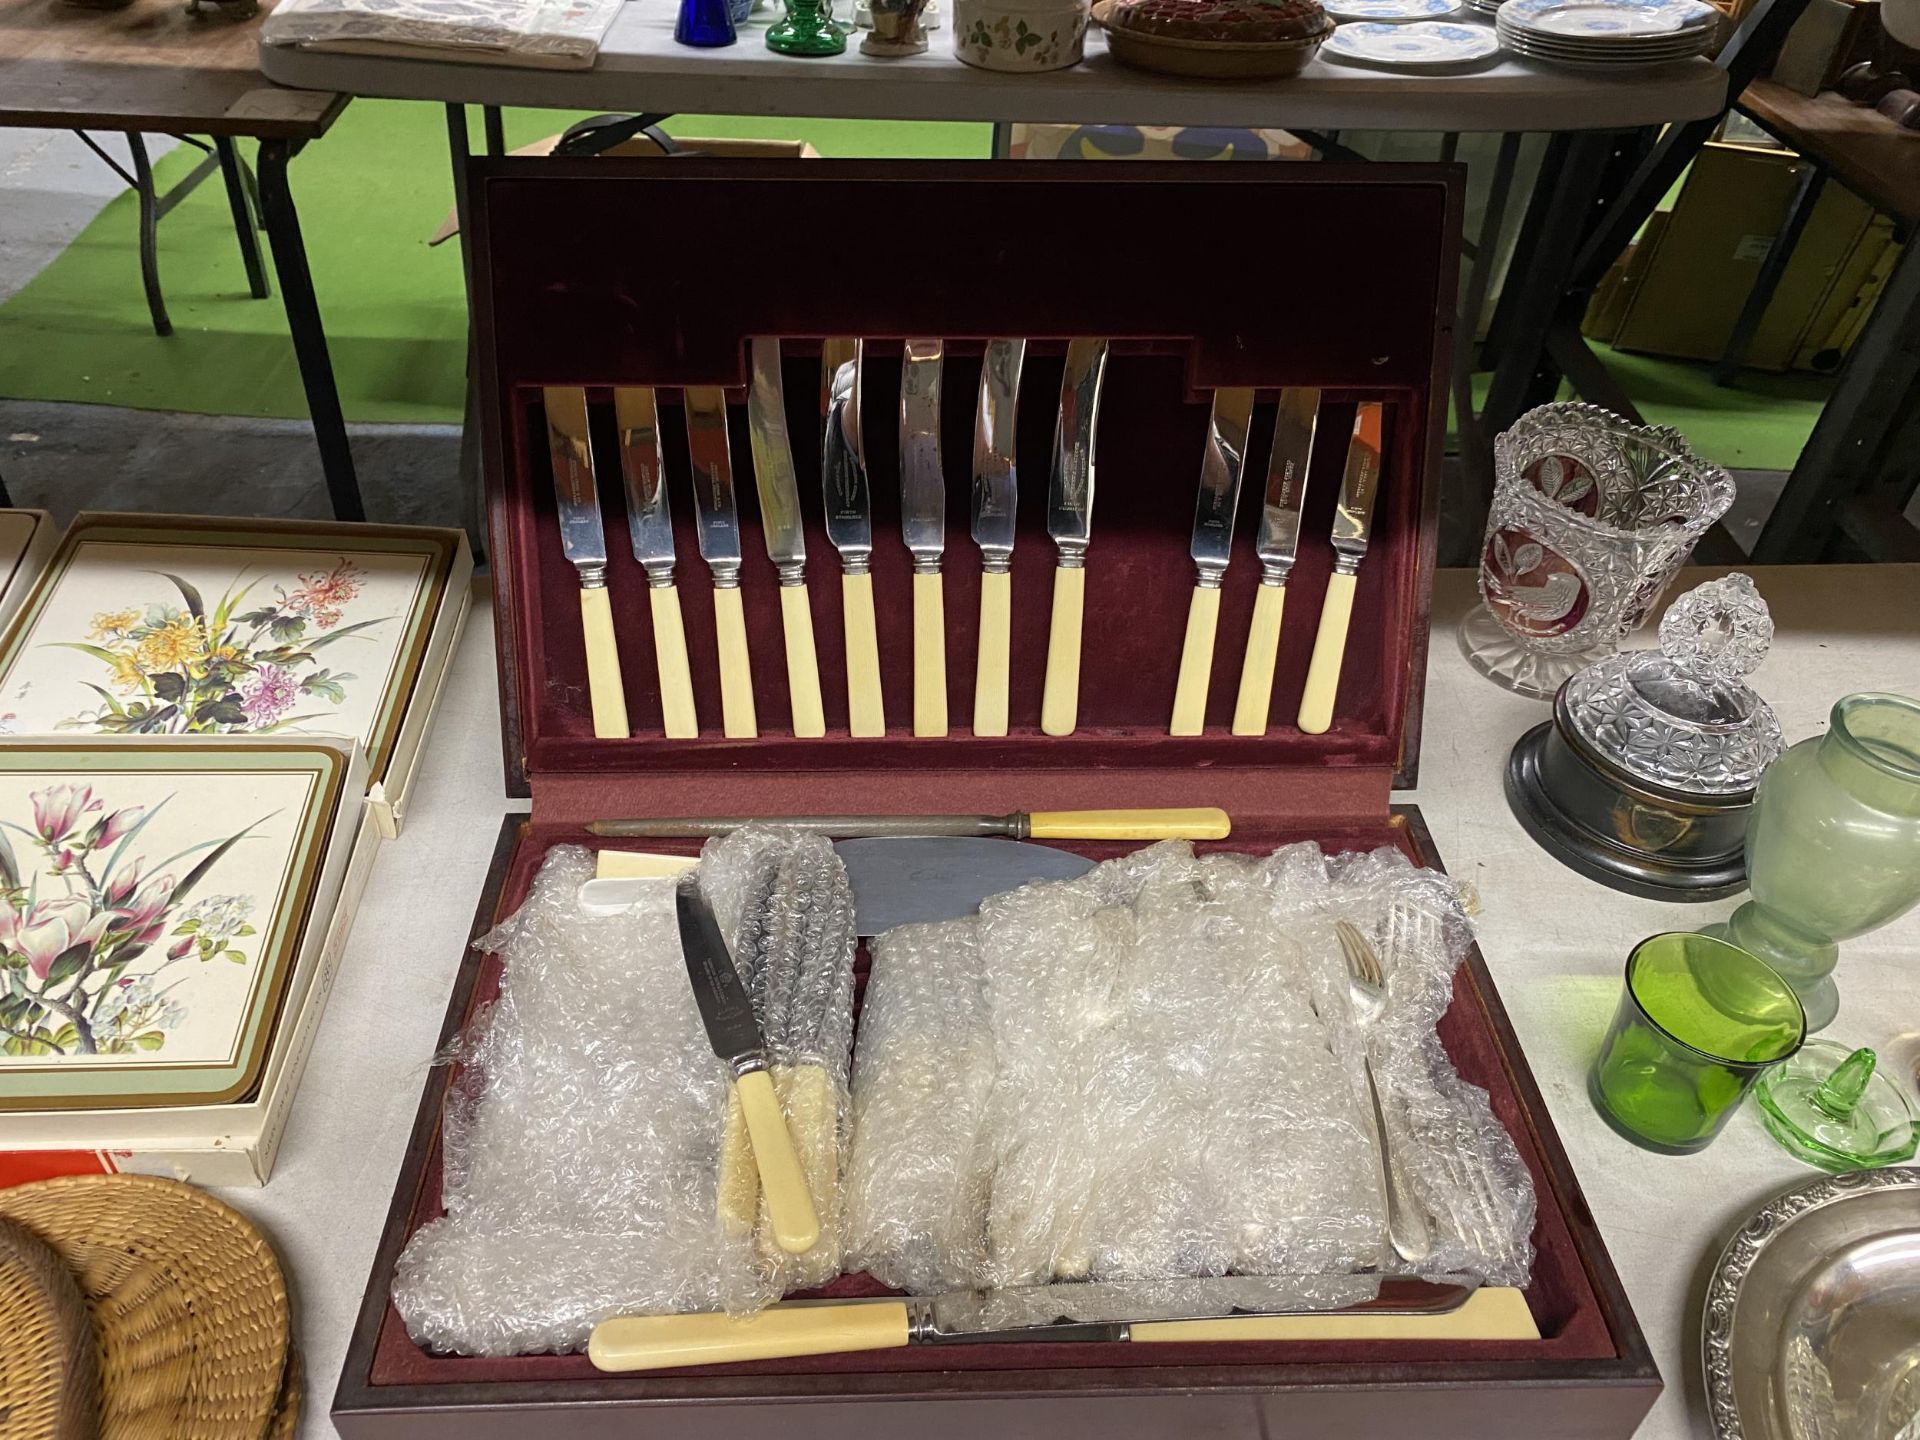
[(1700, 1022), (1834, 1108)]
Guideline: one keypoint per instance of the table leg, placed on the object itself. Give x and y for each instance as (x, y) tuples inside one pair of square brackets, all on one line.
[(491, 121), (149, 232), (473, 482), (1806, 195), (243, 221), (1868, 407), (309, 338)]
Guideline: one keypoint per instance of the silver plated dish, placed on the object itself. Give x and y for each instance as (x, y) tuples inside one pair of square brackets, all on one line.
[(1812, 1327)]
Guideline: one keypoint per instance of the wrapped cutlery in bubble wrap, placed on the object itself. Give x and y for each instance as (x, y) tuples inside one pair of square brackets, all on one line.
[(588, 1168), (1153, 1071)]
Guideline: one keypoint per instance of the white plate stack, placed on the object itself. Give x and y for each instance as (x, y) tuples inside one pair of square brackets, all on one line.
[(1606, 35)]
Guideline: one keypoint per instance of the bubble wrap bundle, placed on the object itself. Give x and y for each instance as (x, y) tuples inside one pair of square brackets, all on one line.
[(585, 1136), (1153, 1072)]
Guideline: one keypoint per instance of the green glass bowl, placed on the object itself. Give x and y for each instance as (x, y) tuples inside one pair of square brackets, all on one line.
[(1700, 1021)]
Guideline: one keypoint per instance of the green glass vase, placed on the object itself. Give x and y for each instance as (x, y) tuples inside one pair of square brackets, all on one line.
[(1833, 845), (806, 29)]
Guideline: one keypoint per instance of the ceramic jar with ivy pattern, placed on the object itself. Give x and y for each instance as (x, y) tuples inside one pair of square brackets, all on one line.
[(1020, 35)]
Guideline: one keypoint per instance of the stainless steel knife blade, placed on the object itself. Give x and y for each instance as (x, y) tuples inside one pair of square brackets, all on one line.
[(908, 880), (996, 488), (843, 470), (725, 1009), (773, 473), (1353, 513), (923, 490), (576, 496), (716, 515), (1070, 493), (1221, 468), (1293, 430), (649, 513)]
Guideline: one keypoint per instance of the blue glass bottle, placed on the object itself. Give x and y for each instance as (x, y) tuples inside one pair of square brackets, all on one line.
[(707, 23)]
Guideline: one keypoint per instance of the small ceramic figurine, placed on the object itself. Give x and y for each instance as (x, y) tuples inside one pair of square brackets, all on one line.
[(897, 28)]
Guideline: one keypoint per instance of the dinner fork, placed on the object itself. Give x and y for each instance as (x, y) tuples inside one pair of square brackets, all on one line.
[(1407, 1227)]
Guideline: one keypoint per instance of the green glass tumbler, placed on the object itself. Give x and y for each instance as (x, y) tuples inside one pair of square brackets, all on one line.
[(1700, 1022)]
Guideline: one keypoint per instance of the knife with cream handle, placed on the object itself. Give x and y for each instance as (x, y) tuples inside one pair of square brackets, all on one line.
[(717, 519), (1198, 823), (584, 541), (1279, 542), (1352, 519), (780, 523), (996, 494), (650, 526), (1070, 524), (849, 515), (923, 525), (1246, 1308), (1221, 467)]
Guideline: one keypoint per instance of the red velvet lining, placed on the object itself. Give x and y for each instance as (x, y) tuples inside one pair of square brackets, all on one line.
[(1572, 1323), (1248, 305)]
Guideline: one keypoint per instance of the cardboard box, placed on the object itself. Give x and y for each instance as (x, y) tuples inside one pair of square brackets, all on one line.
[(27, 538), (1371, 322)]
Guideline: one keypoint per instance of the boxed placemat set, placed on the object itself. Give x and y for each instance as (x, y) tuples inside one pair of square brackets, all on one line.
[(212, 724), (27, 538), (738, 575)]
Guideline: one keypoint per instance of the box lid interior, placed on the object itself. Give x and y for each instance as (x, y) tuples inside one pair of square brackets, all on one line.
[(641, 272)]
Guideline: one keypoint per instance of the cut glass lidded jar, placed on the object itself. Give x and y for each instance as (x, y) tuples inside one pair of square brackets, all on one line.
[(1645, 776), (1591, 519)]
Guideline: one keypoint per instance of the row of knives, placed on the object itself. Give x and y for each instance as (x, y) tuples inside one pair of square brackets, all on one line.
[(849, 525)]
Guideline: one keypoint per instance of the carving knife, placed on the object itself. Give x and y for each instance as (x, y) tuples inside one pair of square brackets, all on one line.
[(1221, 467), (584, 540), (1352, 519), (1196, 823), (843, 482), (734, 1034), (923, 525), (1070, 524), (717, 519), (650, 525), (1244, 1308), (996, 493), (780, 522), (1279, 542)]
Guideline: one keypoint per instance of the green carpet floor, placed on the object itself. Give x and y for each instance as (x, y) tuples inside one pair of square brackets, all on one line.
[(378, 186)]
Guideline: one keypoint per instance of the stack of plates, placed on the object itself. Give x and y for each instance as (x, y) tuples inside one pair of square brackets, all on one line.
[(1606, 34)]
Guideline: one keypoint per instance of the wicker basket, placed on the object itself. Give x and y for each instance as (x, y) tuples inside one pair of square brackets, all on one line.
[(49, 1374), (188, 1304)]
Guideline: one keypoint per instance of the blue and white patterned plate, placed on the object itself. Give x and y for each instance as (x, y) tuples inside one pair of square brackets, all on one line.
[(1600, 21), (1391, 10), (1414, 46)]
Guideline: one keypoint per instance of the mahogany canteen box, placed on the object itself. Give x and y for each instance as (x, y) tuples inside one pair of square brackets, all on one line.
[(1335, 276)]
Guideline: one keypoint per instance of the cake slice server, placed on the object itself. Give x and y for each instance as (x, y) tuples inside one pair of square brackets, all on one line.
[(583, 539), (1279, 542), (717, 519), (1226, 1308), (650, 527), (923, 525), (1070, 524), (780, 523), (996, 495), (849, 512), (1221, 467), (1352, 520), (734, 1034)]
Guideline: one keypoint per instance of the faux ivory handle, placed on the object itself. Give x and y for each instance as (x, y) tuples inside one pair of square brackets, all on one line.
[(1200, 823), (737, 720), (929, 656), (1329, 649), (603, 664), (803, 666), (670, 656), (990, 670), (658, 1342), (1256, 670), (783, 1184), (866, 715), (1060, 702), (1196, 662)]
